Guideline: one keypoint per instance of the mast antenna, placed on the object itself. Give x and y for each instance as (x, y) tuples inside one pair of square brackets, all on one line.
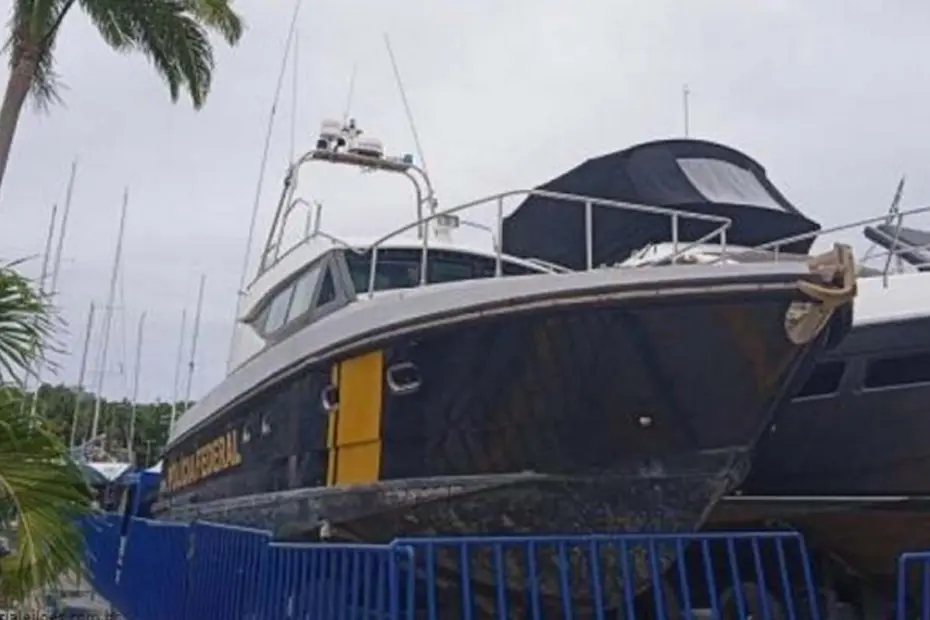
[(349, 96), (894, 217), (250, 237), (408, 112), (685, 94), (295, 79)]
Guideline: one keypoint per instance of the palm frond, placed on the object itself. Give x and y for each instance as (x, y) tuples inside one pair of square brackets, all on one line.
[(173, 34), (26, 324), (46, 85), (219, 16), (32, 28), (46, 494)]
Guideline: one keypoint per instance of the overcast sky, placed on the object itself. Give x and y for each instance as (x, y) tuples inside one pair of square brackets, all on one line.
[(832, 97)]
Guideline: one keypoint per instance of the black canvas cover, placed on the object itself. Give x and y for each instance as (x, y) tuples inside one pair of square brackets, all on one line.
[(689, 175), (917, 240)]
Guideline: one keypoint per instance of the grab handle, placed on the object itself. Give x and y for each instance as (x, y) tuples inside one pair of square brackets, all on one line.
[(404, 378)]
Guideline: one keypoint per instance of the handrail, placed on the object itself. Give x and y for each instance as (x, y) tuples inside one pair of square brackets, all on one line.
[(826, 231), (589, 203), (289, 203), (774, 246)]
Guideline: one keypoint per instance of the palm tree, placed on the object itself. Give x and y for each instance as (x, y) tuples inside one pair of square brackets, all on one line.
[(41, 488), (173, 34)]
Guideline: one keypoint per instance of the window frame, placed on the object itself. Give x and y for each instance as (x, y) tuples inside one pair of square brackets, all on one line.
[(899, 356), (286, 290), (844, 373), (481, 266), (314, 270), (326, 263)]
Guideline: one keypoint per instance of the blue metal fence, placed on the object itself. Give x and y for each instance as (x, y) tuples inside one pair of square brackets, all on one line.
[(167, 571), (912, 601)]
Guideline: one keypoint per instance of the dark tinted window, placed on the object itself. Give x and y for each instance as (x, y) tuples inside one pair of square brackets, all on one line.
[(824, 380), (400, 268), (277, 310), (327, 290), (898, 370), (303, 292)]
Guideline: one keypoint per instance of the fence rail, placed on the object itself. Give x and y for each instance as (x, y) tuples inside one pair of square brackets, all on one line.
[(152, 570)]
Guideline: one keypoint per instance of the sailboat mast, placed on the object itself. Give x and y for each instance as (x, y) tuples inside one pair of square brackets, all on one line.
[(108, 316), (194, 338), (177, 370), (46, 255), (43, 276), (81, 373), (135, 390), (56, 264)]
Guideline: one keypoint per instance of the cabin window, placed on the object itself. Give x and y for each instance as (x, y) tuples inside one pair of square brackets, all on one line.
[(898, 370), (277, 311), (327, 290), (824, 380), (303, 292), (452, 270), (400, 268), (723, 182), (393, 271)]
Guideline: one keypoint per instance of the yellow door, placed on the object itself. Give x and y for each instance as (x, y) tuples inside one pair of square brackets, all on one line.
[(355, 427)]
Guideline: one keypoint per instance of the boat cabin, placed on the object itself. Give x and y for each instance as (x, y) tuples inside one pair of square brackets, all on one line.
[(343, 275)]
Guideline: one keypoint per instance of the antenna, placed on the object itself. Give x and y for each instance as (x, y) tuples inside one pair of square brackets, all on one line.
[(108, 316), (685, 93), (177, 370), (250, 237), (410, 122), (295, 76), (898, 219), (194, 338), (131, 441), (349, 96), (81, 371)]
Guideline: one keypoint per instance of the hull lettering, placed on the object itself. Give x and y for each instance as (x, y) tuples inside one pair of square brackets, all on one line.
[(211, 458)]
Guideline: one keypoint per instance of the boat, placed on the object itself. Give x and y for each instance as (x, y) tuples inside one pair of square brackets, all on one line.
[(412, 385), (847, 454), (850, 450)]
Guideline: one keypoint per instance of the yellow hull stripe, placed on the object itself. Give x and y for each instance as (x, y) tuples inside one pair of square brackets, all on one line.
[(354, 439)]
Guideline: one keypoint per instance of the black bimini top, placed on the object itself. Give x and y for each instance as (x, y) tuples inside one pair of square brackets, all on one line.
[(690, 175)]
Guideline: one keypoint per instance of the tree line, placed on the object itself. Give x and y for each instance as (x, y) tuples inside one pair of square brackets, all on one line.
[(55, 406)]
